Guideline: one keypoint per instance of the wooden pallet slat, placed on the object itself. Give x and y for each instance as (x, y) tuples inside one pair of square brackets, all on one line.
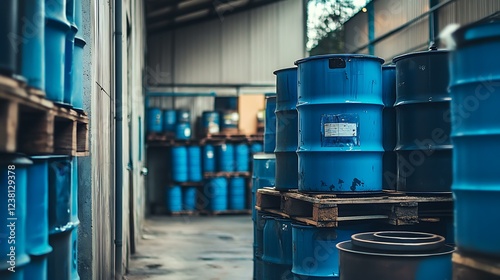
[(9, 112), (37, 135)]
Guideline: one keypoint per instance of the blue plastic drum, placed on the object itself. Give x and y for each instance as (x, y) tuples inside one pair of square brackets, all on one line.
[(77, 73), (183, 116), (340, 123), (237, 193), (225, 157), (264, 168), (277, 249), (183, 131), (270, 125), (60, 193), (194, 161), (215, 193), (33, 50), (169, 120), (8, 25), (286, 129), (189, 198), (70, 45), (389, 126), (242, 157), (180, 164), (208, 158), (210, 122), (173, 199), (475, 114), (155, 120), (256, 147)]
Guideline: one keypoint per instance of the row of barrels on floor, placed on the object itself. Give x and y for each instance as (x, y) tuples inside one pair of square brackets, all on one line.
[(47, 47), (217, 194), (190, 162), (40, 208)]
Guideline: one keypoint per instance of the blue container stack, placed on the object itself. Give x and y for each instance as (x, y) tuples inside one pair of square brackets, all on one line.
[(423, 148), (60, 218), (173, 199), (194, 160), (155, 120), (180, 164), (230, 120), (270, 125), (14, 186), (183, 126), (77, 63), (277, 248), (474, 87), (208, 158), (216, 194), (256, 147), (37, 220), (236, 193), (225, 157), (210, 122), (56, 28), (242, 157), (389, 127), (169, 121), (264, 168), (189, 198), (286, 129), (340, 123)]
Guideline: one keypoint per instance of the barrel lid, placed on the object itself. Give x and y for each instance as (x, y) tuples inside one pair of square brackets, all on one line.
[(16, 159), (432, 51), (264, 156), (487, 29), (271, 97), (388, 67), (42, 157), (327, 56), (398, 241), (285, 69), (348, 246)]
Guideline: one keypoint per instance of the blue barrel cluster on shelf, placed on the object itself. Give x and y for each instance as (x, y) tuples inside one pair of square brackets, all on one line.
[(209, 158), (180, 164), (194, 163), (340, 123), (225, 157), (389, 127), (241, 157), (215, 191), (175, 122), (475, 115), (236, 193), (270, 125), (173, 199), (286, 129), (423, 148)]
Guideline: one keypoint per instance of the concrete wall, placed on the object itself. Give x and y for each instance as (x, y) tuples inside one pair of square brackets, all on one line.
[(97, 172)]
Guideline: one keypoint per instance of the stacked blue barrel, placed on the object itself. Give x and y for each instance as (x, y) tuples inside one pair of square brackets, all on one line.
[(474, 86), (173, 123), (389, 126)]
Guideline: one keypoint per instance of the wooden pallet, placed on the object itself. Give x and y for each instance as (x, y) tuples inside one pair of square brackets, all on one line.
[(226, 174), (31, 124), (189, 184), (164, 136), (327, 210), (172, 142), (184, 213)]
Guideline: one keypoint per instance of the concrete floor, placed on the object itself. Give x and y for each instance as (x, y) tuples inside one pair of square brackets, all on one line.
[(185, 248)]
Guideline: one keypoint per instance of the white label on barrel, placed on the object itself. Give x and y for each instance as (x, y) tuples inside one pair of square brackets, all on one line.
[(187, 132), (210, 154), (340, 130)]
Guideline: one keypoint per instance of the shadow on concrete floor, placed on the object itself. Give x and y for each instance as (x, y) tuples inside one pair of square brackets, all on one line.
[(193, 248)]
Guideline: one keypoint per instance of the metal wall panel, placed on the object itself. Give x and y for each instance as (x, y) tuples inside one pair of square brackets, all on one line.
[(390, 14), (356, 32), (244, 48), (466, 11)]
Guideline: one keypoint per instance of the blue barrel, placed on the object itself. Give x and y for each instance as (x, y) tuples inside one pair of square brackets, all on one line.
[(183, 131), (230, 121), (277, 253), (474, 88), (264, 168), (60, 218), (60, 189), (37, 219), (242, 157), (56, 27), (155, 120), (74, 220), (315, 255), (237, 194), (286, 129), (258, 245), (340, 123), (169, 120), (210, 122), (180, 164), (423, 148), (69, 55), (208, 158), (183, 116), (225, 157), (189, 198), (8, 26), (389, 126), (270, 125), (395, 255), (173, 200), (77, 73), (14, 180), (194, 164), (216, 194), (256, 147), (59, 263), (33, 32)]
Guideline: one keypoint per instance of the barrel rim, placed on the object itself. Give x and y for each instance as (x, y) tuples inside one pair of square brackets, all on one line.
[(62, 23), (388, 67), (421, 53), (285, 69), (80, 41), (347, 247), (264, 156), (271, 97), (459, 34), (326, 56), (47, 157)]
